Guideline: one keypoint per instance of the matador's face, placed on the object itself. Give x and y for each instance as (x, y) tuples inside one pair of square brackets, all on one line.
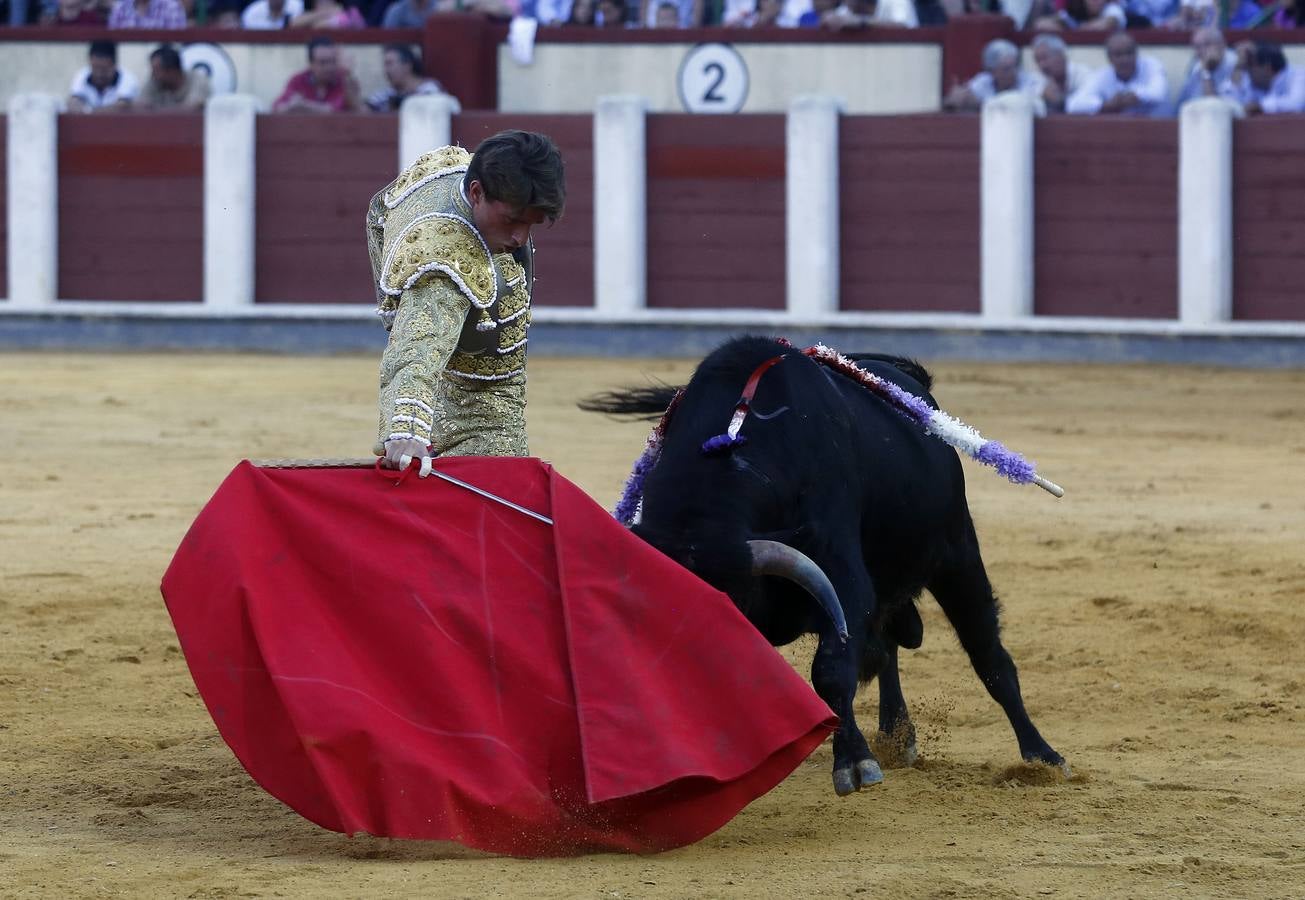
[(504, 227)]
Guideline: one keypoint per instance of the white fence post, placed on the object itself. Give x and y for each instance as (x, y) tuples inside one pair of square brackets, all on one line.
[(620, 205), (229, 122), (425, 123), (1205, 199), (33, 206), (811, 206), (1006, 207)]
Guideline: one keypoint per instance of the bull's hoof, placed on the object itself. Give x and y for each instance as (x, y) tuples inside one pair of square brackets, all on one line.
[(850, 779), (869, 773), (845, 782)]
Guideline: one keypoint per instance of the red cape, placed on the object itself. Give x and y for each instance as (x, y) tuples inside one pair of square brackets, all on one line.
[(416, 661)]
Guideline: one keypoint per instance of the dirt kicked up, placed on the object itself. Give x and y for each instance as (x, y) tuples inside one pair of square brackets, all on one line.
[(1156, 614)]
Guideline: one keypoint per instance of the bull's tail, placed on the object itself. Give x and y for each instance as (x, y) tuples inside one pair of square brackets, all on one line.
[(637, 402)]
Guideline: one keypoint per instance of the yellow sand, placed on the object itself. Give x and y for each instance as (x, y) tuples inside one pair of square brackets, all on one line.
[(1156, 614)]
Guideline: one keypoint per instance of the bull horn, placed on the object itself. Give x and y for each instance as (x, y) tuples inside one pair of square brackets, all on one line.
[(774, 558)]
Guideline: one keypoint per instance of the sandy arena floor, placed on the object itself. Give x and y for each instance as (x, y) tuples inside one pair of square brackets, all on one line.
[(1156, 613)]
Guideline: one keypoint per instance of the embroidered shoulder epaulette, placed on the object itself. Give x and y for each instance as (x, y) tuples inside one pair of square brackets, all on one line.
[(428, 167), (444, 244)]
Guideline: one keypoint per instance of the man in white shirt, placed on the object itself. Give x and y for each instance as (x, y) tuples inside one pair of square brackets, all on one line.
[(102, 86), (1061, 77), (1210, 73), (854, 14), (1131, 85), (270, 15), (1001, 73), (1265, 83)]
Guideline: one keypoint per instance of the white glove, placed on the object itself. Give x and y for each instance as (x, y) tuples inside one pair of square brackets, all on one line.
[(400, 452)]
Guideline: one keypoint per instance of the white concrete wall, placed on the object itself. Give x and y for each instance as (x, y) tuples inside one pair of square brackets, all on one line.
[(866, 78)]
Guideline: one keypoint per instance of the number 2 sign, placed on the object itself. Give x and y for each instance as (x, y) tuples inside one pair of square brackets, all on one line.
[(713, 79)]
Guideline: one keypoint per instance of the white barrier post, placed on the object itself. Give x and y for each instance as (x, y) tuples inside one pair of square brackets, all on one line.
[(229, 121), (620, 205), (1205, 199), (425, 122), (811, 206), (1006, 207), (33, 207)]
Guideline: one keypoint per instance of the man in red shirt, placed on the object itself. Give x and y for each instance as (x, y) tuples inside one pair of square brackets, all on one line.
[(325, 86)]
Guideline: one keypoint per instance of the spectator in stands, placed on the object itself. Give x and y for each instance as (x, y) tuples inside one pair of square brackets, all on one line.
[(406, 79), (857, 14), (1193, 14), (170, 87), (1265, 83), (329, 14), (688, 14), (666, 15), (1131, 85), (271, 15), (223, 14), (1060, 76), (1001, 73), (611, 14), (82, 13), (582, 12), (553, 12), (414, 13), (757, 13), (1150, 13), (326, 86), (1211, 70), (101, 86), (1084, 15), (158, 14), (1288, 14), (819, 8)]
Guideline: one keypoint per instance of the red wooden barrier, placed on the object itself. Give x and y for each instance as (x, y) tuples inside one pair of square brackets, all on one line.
[(315, 177), (909, 225), (1106, 217), (715, 211), (131, 207), (1268, 218), (564, 252)]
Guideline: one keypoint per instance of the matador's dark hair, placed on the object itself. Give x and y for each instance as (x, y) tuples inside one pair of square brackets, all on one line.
[(522, 169)]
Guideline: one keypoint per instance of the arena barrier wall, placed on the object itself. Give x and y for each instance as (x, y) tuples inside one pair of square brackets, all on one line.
[(991, 222)]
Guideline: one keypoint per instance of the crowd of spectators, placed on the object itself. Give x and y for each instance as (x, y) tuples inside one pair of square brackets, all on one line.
[(1042, 15), (325, 86), (1254, 75)]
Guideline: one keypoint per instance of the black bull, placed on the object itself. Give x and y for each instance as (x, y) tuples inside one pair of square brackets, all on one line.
[(828, 468)]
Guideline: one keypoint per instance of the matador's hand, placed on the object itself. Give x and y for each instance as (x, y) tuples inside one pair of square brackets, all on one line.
[(400, 452)]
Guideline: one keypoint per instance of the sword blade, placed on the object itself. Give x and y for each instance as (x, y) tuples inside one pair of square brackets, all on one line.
[(488, 496)]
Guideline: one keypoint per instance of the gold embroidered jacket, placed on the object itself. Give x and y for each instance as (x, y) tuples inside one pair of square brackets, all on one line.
[(453, 372)]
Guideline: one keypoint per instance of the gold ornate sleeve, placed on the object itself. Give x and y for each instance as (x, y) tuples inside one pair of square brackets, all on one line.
[(425, 334), (375, 236)]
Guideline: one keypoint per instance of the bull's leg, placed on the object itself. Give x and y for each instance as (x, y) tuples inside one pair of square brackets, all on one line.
[(834, 676), (894, 719), (966, 597)]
